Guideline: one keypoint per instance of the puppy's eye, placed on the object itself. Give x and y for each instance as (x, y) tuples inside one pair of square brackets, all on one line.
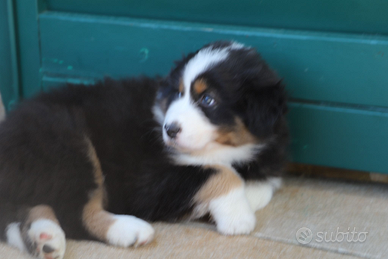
[(178, 95), (207, 101)]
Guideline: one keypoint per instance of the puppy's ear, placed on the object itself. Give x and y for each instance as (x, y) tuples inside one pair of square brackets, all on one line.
[(264, 106)]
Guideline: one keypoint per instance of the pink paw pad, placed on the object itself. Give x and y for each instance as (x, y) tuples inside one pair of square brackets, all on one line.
[(49, 239), (45, 236)]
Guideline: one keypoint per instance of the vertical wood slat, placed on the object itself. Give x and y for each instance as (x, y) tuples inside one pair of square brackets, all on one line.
[(28, 46), (9, 76)]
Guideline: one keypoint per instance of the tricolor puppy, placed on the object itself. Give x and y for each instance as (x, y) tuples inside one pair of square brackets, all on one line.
[(97, 162)]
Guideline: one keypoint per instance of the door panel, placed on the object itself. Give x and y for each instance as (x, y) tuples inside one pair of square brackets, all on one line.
[(28, 46), (9, 86), (339, 136), (320, 67), (364, 16), (333, 56)]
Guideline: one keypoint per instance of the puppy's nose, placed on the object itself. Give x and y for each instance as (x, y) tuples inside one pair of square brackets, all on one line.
[(172, 129)]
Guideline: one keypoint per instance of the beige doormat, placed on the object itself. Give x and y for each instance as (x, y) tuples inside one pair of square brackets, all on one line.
[(323, 206), (329, 208)]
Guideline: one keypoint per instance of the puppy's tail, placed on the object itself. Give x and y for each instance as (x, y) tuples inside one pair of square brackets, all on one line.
[(2, 109)]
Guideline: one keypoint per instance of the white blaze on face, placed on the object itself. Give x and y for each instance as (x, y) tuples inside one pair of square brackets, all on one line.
[(196, 129)]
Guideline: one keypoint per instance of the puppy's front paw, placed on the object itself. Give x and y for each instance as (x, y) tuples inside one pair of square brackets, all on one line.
[(48, 239), (129, 230), (233, 214), (236, 224)]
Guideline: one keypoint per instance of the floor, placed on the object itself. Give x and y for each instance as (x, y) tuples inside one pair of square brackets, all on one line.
[(346, 219)]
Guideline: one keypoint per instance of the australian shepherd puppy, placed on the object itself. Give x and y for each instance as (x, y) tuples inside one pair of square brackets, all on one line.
[(97, 162)]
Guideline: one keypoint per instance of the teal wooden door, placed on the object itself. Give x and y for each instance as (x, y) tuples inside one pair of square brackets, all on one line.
[(9, 80), (332, 54)]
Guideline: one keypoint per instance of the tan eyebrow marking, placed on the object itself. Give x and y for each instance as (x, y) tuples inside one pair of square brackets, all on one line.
[(181, 87), (200, 86)]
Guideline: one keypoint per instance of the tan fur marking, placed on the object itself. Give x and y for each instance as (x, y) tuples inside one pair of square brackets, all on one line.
[(96, 220), (36, 213), (41, 212), (98, 175), (181, 87), (221, 183), (235, 136), (200, 86)]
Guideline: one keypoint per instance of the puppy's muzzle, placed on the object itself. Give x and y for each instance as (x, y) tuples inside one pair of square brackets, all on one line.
[(172, 129)]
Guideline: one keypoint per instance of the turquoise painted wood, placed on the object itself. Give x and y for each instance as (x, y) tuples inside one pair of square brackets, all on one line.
[(9, 80), (362, 16), (341, 136), (28, 46), (316, 66), (333, 56)]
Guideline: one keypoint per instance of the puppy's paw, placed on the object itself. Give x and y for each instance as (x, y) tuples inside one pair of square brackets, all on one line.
[(238, 224), (259, 194), (232, 213), (47, 239), (129, 230)]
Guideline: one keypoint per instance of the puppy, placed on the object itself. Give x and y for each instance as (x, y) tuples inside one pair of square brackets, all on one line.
[(97, 162)]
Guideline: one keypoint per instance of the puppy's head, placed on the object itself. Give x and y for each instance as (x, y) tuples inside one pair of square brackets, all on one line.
[(223, 94)]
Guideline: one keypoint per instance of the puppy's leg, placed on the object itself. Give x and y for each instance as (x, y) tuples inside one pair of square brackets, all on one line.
[(259, 193), (224, 197), (118, 230), (42, 235)]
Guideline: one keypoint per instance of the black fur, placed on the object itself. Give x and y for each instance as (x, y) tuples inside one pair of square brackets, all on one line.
[(43, 157)]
